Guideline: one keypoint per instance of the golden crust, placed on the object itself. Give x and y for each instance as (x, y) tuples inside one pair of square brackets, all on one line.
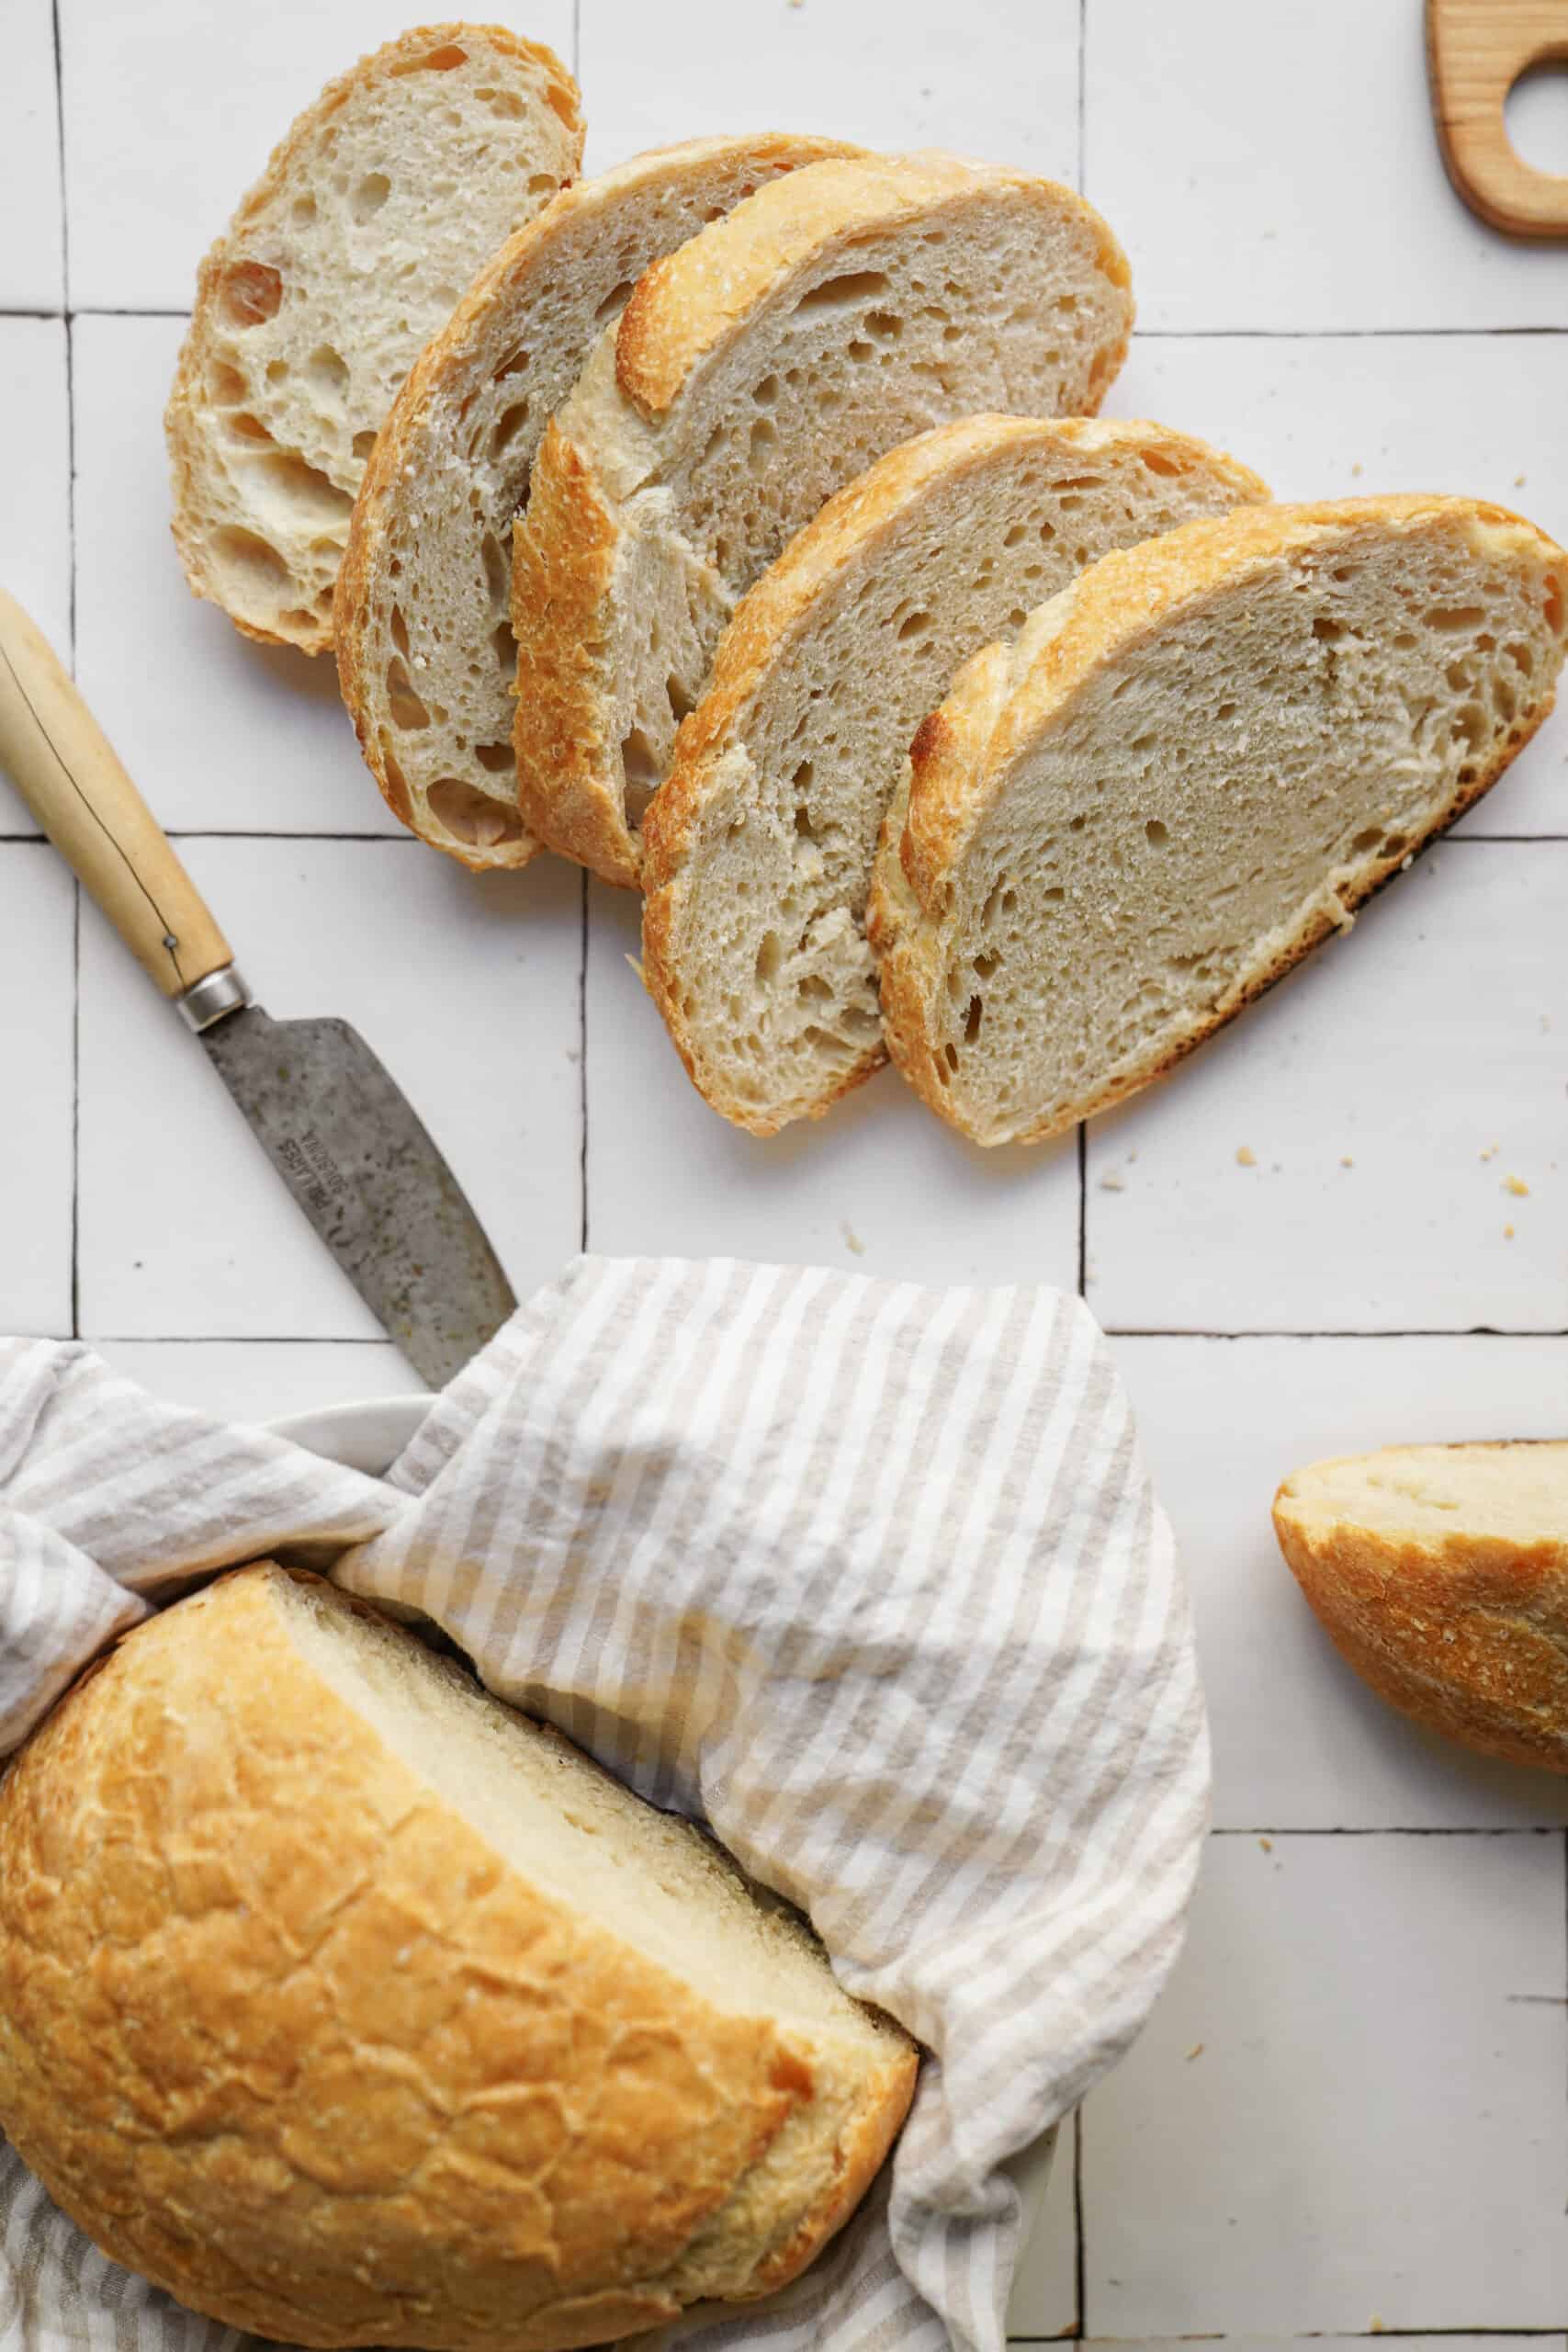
[(440, 371), (565, 100), (769, 617), (1469, 1636), (1007, 698), (563, 571), (284, 2035)]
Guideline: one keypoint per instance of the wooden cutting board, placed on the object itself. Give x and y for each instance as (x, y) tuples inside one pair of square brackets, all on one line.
[(1476, 49)]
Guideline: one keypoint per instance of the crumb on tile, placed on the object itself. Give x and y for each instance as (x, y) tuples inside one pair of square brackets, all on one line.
[(1112, 1183), (1516, 1185), (1346, 1160), (1507, 1233), (1356, 469), (1490, 1152), (1244, 1156), (1267, 1844), (1196, 2052), (851, 1238), (1518, 482), (635, 963)]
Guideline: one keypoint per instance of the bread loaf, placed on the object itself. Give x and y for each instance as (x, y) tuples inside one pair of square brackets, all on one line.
[(371, 218), (755, 372), (426, 658), (1186, 769), (1440, 1573), (354, 2009), (758, 850)]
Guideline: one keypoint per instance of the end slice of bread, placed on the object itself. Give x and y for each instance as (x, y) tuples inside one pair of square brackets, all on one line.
[(432, 2032), (758, 850), (754, 372), (1186, 769), (370, 219), (1440, 1573), (426, 658)]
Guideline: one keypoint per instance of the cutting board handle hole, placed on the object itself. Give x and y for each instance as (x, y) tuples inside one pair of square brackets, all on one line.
[(1536, 116)]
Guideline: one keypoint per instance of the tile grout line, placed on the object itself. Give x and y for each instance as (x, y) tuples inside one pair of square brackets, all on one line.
[(1083, 95), (1083, 1207), (582, 1065), (68, 327), (1112, 1331), (1080, 2243)]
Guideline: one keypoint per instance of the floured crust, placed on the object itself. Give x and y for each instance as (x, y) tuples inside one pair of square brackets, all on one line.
[(1007, 698), (309, 629), (620, 436), (780, 611), (577, 232), (393, 2091), (1469, 1636)]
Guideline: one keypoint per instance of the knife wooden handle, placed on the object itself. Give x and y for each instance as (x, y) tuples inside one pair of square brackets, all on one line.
[(65, 769)]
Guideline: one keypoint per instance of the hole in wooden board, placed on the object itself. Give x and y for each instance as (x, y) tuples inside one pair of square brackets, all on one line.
[(1535, 114)]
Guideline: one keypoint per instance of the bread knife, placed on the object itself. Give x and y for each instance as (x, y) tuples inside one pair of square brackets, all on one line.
[(339, 1131)]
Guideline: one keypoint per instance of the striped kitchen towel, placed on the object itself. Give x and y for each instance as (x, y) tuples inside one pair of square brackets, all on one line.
[(867, 1576)]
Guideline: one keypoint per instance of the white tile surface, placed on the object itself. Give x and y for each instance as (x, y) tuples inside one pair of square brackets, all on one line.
[(35, 514), (38, 900), (172, 108), (1306, 1744), (32, 252), (244, 1380), (1276, 167), (1375, 2130), (878, 1187), (994, 79), (1434, 1030), (223, 735), (1046, 2293), (1344, 417), (467, 989)]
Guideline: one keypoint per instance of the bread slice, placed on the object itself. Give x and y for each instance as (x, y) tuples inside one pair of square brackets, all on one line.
[(754, 373), (347, 255), (1440, 1573), (426, 658), (1187, 769), (758, 850), (354, 2008)]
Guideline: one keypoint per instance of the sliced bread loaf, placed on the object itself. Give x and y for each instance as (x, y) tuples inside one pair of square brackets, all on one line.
[(754, 372), (371, 218), (1187, 769), (426, 658), (758, 850), (1440, 1573), (354, 2009)]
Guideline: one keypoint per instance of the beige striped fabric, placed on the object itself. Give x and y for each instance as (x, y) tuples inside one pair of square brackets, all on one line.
[(868, 1575)]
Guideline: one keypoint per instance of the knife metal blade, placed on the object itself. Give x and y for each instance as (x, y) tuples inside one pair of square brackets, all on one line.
[(364, 1168)]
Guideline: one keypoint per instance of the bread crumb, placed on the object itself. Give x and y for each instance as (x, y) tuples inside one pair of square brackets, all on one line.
[(1516, 1185), (1518, 482), (1346, 1160), (1490, 1152), (1244, 1156), (1196, 2052), (1355, 469), (1112, 1184), (635, 963), (851, 1239), (1507, 1233), (1374, 2325), (1267, 1844)]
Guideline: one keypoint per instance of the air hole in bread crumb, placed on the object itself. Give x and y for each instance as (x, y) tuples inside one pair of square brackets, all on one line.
[(763, 436), (471, 816), (680, 702), (916, 625), (1156, 834), (885, 325), (512, 365), (496, 578), (1158, 462), (408, 714), (505, 648), (399, 629), (507, 427), (328, 372), (434, 61), (225, 385), (251, 572), (246, 427), (949, 1056), (1327, 632), (1015, 536), (1453, 620), (766, 392), (770, 956), (297, 619), (843, 293), (299, 495), (615, 301), (248, 294), (364, 443), (858, 348), (640, 768), (1367, 841), (277, 372), (497, 758), (1469, 727), (369, 194), (971, 1020), (563, 104)]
